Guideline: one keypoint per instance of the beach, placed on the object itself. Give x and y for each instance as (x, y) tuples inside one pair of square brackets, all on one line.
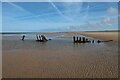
[(103, 35), (60, 57)]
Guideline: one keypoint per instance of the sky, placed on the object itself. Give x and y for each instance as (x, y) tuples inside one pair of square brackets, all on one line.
[(59, 16)]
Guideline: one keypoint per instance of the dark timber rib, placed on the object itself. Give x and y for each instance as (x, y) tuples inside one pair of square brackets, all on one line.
[(41, 38), (85, 40), (80, 40), (104, 41)]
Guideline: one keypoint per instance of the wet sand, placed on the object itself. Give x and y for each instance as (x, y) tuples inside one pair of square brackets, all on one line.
[(59, 58)]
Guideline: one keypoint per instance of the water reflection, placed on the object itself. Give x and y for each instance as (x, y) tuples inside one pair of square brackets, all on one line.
[(56, 43)]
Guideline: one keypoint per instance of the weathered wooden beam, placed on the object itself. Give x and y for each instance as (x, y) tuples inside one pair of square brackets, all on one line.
[(37, 37), (83, 39), (93, 41), (23, 37), (73, 38), (44, 38), (79, 39), (40, 37)]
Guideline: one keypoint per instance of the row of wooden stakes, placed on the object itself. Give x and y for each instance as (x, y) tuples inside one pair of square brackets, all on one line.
[(86, 40), (81, 40)]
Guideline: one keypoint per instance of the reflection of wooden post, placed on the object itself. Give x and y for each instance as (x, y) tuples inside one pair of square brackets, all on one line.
[(74, 38), (89, 41)]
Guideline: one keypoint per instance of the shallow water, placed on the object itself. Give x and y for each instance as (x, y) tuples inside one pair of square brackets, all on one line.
[(59, 57), (14, 41)]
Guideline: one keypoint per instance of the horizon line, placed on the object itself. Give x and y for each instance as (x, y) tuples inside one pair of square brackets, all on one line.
[(30, 32)]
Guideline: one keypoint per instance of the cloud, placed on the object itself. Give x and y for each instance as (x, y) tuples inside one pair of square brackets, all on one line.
[(72, 9), (113, 11), (54, 6), (19, 7), (70, 12), (104, 22)]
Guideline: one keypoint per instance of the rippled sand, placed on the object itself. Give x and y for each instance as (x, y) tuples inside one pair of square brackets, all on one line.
[(58, 58)]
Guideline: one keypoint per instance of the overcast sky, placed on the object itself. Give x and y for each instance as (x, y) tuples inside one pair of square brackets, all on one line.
[(59, 16)]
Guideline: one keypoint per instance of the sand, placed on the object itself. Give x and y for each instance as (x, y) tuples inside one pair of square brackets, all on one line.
[(60, 57), (103, 35)]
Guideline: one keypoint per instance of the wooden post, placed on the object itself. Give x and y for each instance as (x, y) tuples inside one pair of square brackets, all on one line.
[(93, 41), (37, 37), (98, 41), (79, 39), (23, 37), (40, 37), (83, 39), (74, 38), (44, 38), (86, 40)]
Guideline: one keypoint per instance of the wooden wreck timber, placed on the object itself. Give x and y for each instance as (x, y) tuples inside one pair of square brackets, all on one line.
[(104, 41), (85, 40), (41, 38), (80, 40), (23, 37), (93, 41)]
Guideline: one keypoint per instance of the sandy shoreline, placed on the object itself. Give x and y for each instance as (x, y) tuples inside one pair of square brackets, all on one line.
[(103, 35), (60, 58), (98, 35)]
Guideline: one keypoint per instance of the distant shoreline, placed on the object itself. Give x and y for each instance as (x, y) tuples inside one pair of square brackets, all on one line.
[(55, 32), (102, 35)]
